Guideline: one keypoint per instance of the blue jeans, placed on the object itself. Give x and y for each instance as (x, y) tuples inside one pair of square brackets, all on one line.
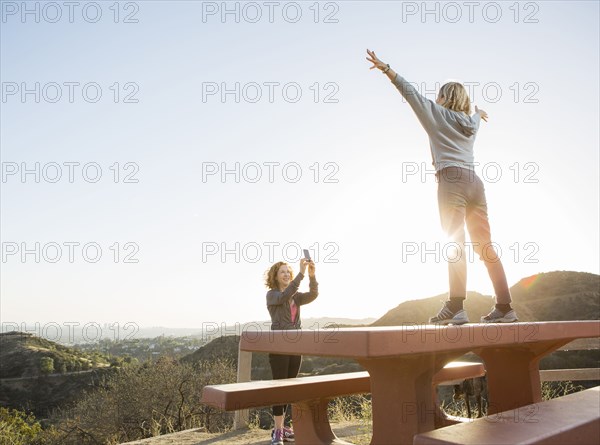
[(461, 198)]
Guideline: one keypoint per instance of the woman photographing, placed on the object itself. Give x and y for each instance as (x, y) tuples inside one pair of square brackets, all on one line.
[(284, 303)]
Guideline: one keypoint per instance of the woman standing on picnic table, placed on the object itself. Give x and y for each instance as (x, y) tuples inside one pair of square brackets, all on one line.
[(461, 195), (284, 302)]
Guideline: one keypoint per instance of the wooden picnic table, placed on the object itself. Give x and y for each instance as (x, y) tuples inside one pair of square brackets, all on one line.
[(402, 360)]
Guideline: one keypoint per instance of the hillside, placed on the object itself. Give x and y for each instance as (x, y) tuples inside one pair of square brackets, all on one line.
[(38, 375), (226, 347), (42, 394), (560, 295), (22, 355), (222, 347)]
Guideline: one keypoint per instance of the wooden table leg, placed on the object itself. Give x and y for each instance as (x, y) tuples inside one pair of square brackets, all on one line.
[(402, 398)]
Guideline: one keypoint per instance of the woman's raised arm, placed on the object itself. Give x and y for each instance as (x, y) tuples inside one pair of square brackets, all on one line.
[(380, 65)]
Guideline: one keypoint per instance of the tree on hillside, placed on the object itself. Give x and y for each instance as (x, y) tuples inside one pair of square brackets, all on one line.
[(47, 365)]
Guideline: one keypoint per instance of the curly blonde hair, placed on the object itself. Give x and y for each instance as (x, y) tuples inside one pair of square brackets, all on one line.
[(271, 274), (454, 96)]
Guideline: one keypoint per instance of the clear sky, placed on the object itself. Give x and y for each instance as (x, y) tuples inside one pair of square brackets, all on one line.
[(115, 133)]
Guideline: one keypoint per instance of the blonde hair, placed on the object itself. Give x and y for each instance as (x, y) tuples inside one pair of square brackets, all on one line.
[(454, 96)]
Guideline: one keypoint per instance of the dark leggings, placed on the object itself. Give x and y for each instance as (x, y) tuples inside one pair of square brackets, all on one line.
[(283, 367)]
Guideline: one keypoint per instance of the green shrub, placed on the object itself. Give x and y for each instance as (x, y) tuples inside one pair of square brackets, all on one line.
[(17, 427)]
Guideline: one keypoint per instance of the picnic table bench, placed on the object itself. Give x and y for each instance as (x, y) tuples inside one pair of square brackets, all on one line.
[(310, 396)]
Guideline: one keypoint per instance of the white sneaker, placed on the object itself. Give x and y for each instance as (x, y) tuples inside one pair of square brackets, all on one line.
[(446, 316), (497, 316)]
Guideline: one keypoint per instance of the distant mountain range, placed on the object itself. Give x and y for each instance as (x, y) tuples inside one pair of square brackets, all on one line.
[(230, 329), (208, 328)]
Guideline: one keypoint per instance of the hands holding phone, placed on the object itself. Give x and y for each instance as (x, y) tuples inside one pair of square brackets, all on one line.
[(307, 262), (304, 263)]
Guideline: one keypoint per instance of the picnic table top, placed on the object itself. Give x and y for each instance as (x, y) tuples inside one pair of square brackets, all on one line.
[(389, 341)]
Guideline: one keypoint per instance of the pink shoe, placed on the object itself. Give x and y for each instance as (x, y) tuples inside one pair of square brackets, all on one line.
[(277, 437), (288, 434)]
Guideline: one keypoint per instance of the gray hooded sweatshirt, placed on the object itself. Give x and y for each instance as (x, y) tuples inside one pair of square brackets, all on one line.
[(451, 134)]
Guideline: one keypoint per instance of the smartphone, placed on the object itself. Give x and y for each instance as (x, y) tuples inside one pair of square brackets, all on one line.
[(306, 254)]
